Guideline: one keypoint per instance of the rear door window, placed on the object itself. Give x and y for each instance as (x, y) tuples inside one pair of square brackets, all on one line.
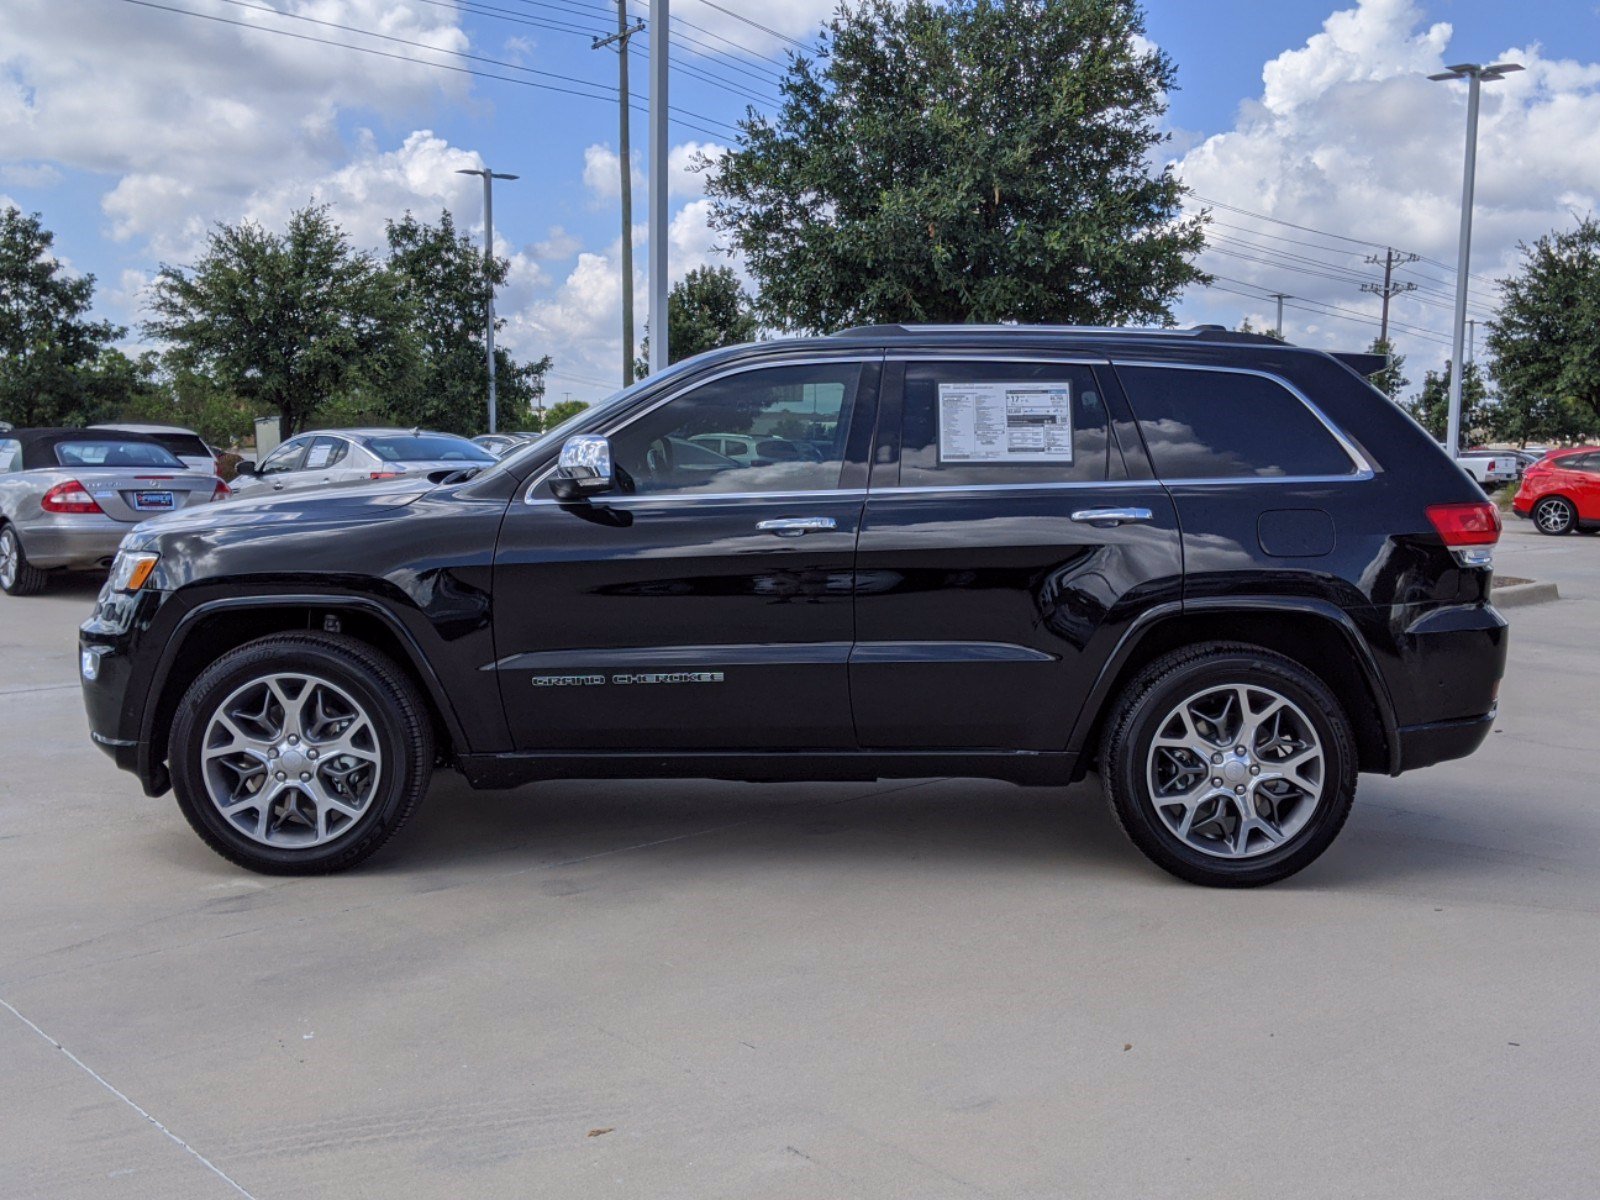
[(966, 424), (1215, 424)]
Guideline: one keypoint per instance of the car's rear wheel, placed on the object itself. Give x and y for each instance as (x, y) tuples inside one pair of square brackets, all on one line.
[(17, 576), (300, 753), (1229, 765), (1554, 515)]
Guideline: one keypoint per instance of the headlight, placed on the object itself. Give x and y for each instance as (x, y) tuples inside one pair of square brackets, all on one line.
[(130, 570)]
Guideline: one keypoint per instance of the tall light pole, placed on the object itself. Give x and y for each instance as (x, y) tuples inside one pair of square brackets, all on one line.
[(1476, 75), (1280, 297), (658, 186), (488, 257)]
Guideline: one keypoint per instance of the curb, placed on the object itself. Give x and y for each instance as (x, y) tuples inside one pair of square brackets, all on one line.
[(1518, 594)]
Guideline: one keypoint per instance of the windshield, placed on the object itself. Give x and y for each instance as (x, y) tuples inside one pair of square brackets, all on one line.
[(114, 452), (426, 447)]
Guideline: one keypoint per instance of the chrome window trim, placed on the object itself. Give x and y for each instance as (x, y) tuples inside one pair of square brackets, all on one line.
[(1363, 469), (794, 360)]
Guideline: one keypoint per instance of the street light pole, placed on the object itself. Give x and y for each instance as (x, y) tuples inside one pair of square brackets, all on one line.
[(488, 258), (1476, 75)]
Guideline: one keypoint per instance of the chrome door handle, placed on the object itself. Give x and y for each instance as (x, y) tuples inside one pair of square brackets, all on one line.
[(796, 526), (1110, 516)]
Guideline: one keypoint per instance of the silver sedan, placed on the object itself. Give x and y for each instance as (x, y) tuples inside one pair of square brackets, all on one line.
[(335, 456), (67, 497)]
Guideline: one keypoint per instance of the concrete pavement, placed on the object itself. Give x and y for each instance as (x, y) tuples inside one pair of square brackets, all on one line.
[(923, 990)]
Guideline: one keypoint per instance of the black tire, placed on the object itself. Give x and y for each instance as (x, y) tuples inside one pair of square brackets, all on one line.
[(1146, 702), (1556, 512), (403, 736), (23, 578)]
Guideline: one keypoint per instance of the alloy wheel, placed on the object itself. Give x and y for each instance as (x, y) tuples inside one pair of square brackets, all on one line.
[(1235, 771), (1553, 516), (9, 553), (291, 760)]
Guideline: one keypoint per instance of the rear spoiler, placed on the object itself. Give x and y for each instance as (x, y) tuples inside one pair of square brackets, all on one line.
[(1364, 365)]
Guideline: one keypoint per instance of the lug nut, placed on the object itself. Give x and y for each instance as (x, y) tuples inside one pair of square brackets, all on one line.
[(1238, 749), (1239, 791), (293, 740), (1253, 770), (312, 755), (1216, 781), (281, 777), (305, 775), (273, 753), (1217, 758)]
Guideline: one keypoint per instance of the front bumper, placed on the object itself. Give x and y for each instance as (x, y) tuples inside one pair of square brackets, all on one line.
[(79, 543), (114, 690)]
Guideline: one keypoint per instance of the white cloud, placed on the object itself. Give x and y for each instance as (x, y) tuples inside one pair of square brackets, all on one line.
[(1349, 136), (602, 170), (30, 175), (558, 244)]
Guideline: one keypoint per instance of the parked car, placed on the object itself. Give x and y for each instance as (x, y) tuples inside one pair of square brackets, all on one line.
[(1561, 492), (67, 497), (334, 456), (1221, 571), (1491, 468), (501, 444), (186, 445), (754, 450)]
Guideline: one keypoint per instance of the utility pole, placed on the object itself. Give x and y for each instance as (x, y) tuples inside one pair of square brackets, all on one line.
[(659, 41), (620, 39), (1280, 297), (1388, 289), (1476, 75), (1472, 339), (488, 281)]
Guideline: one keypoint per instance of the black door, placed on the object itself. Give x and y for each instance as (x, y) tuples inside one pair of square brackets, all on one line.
[(1007, 543), (705, 603)]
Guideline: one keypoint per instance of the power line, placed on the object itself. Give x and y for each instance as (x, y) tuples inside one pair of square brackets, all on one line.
[(1350, 314), (767, 29), (607, 92)]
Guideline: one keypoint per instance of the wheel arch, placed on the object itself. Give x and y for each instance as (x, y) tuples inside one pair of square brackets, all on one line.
[(214, 627), (1318, 636)]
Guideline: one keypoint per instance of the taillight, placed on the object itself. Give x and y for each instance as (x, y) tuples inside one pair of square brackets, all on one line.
[(69, 497), (385, 474), (221, 492), (1470, 530)]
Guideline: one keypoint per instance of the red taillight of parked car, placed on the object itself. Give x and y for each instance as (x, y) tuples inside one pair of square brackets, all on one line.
[(385, 474), (1476, 523), (221, 492), (69, 497)]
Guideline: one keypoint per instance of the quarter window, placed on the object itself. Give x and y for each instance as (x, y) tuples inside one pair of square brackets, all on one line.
[(778, 429), (1200, 424), (978, 423)]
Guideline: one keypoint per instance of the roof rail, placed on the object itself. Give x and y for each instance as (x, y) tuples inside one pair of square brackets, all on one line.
[(1199, 332)]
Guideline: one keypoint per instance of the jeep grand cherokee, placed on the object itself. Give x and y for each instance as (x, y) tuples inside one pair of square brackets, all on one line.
[(1224, 572)]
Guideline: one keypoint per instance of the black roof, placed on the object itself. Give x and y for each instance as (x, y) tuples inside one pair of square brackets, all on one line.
[(1194, 333), (36, 443)]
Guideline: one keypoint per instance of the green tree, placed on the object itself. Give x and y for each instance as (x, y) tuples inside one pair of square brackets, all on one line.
[(285, 322), (706, 310), (981, 160), (1431, 406), (443, 278), (563, 410), (1543, 341), (1391, 381), (57, 366), (188, 399)]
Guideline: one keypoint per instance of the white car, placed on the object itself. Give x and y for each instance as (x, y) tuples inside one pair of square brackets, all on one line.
[(187, 445), (333, 456), (1491, 468)]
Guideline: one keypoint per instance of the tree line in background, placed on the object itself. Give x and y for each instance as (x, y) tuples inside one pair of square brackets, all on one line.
[(297, 323), (941, 162)]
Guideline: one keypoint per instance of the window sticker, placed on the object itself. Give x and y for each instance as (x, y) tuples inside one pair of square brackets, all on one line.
[(321, 452), (1005, 422)]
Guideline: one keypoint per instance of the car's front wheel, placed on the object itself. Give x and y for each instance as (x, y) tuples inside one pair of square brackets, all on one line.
[(300, 753), (1554, 515), (17, 576), (1229, 765)]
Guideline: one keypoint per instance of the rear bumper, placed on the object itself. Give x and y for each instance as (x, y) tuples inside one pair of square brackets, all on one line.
[(79, 543), (1424, 745)]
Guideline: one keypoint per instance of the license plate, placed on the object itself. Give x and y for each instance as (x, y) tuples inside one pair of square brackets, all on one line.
[(152, 501)]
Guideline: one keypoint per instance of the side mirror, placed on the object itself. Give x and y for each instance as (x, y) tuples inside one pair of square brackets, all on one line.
[(245, 466), (584, 467)]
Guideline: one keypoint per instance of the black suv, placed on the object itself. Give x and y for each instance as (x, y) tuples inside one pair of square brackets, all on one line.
[(1226, 573)]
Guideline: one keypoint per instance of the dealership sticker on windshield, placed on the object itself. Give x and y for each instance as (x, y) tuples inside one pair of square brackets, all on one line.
[(1005, 422)]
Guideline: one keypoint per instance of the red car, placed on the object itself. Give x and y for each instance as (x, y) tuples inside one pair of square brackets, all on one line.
[(1561, 492)]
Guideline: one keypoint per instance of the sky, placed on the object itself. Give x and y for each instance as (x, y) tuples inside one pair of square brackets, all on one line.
[(1306, 127)]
